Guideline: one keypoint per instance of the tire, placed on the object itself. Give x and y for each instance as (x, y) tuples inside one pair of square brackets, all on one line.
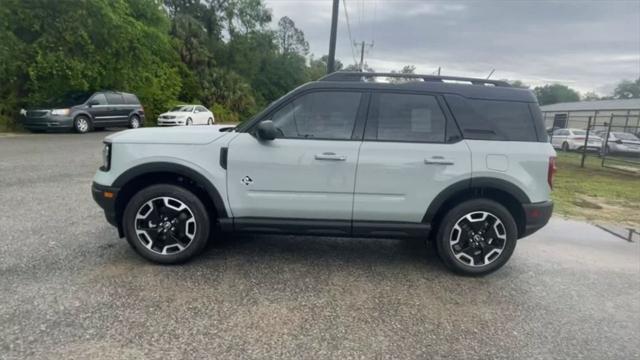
[(210, 121), (189, 122), (35, 131), (134, 122), (82, 124), (190, 225), (494, 242), (565, 146)]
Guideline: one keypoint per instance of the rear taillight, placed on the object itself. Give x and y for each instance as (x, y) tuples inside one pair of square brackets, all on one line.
[(551, 172)]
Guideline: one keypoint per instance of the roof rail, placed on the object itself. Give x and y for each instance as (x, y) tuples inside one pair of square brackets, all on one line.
[(363, 76)]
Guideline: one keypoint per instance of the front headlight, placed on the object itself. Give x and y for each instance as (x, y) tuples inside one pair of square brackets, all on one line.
[(60, 112), (106, 157)]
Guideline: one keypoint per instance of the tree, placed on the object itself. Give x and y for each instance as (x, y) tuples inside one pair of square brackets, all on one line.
[(318, 67), (407, 69), (590, 96), (627, 90), (290, 38), (62, 46), (517, 84), (556, 93)]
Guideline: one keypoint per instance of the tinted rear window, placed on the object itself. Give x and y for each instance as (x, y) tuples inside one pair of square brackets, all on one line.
[(493, 120), (130, 99)]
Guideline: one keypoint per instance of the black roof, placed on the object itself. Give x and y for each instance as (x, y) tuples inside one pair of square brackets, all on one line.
[(468, 87)]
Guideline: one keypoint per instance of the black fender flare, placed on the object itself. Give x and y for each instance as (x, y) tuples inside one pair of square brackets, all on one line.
[(79, 112), (479, 182), (168, 167)]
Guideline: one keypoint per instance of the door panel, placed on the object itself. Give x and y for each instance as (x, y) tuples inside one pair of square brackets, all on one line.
[(411, 153), (291, 178), (100, 111), (398, 181)]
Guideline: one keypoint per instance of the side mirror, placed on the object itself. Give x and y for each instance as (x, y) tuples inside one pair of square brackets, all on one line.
[(266, 130)]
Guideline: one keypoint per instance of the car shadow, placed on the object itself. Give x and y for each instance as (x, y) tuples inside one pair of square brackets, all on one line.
[(330, 251)]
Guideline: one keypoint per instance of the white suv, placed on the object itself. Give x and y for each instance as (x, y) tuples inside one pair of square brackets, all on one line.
[(465, 164)]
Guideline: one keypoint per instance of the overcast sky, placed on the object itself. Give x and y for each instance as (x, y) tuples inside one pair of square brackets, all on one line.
[(587, 45)]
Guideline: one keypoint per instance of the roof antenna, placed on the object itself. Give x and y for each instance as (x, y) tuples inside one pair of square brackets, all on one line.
[(491, 73)]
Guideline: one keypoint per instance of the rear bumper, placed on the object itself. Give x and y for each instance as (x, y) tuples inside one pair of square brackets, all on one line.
[(105, 197), (537, 215)]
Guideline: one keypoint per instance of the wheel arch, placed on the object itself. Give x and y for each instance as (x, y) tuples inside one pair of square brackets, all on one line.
[(507, 194), (141, 176)]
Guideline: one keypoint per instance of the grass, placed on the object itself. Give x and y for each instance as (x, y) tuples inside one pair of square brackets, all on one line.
[(595, 193)]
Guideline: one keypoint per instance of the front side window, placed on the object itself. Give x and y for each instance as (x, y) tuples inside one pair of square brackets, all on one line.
[(409, 117), (99, 99), (319, 115)]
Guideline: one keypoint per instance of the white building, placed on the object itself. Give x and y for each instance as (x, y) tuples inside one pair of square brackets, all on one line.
[(626, 114)]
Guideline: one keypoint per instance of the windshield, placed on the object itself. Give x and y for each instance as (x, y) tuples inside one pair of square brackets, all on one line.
[(182, 108), (69, 99), (625, 136)]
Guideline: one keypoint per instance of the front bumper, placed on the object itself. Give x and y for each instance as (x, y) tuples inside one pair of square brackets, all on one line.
[(48, 122), (172, 122), (105, 197), (537, 215)]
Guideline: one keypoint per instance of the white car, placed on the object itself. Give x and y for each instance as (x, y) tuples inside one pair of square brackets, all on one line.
[(573, 139), (187, 115)]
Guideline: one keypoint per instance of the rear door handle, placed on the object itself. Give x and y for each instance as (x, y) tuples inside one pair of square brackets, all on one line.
[(438, 160), (330, 156)]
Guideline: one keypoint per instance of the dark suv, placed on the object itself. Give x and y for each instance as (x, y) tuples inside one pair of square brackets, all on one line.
[(84, 112)]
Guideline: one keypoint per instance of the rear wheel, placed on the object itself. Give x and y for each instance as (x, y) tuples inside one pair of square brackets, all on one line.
[(477, 237), (166, 224), (565, 146), (82, 124)]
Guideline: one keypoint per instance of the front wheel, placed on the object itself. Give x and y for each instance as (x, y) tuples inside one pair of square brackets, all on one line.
[(565, 146), (82, 124), (166, 224), (134, 122), (477, 237), (189, 122)]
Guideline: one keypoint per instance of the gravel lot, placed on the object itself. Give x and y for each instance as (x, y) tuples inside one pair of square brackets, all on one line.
[(69, 288)]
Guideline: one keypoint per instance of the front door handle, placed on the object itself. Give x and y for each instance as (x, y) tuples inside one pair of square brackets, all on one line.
[(330, 156), (438, 160)]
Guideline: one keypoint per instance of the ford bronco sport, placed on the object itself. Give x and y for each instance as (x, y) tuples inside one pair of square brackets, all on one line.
[(463, 162)]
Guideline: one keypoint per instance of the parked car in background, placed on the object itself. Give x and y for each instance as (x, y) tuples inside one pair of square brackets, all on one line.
[(621, 142), (186, 115), (573, 139), (85, 111)]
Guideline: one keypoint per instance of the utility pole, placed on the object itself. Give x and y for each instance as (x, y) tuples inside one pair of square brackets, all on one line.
[(331, 62), (362, 45)]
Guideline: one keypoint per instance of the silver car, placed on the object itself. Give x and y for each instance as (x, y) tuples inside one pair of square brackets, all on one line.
[(621, 142)]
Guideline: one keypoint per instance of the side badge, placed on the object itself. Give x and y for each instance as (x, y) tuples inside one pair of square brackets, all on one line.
[(246, 180)]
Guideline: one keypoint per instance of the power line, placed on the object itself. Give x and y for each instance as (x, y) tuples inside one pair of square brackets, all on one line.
[(346, 16)]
